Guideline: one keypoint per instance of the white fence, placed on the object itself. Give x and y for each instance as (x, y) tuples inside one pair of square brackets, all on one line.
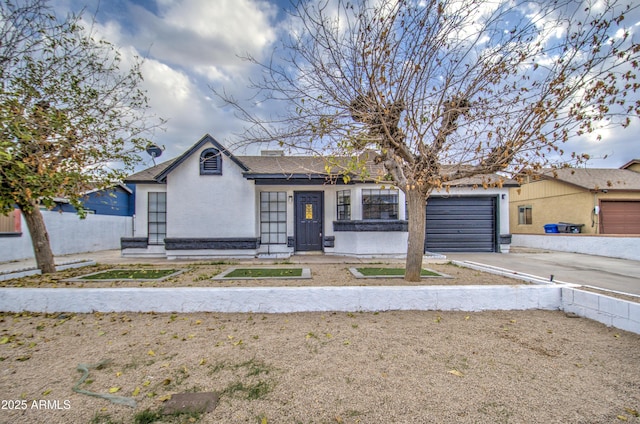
[(70, 234), (607, 310), (624, 247)]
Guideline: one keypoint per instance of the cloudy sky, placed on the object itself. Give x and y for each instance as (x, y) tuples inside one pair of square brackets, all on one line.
[(190, 46)]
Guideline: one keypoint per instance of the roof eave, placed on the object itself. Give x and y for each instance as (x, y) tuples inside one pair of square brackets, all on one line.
[(207, 138)]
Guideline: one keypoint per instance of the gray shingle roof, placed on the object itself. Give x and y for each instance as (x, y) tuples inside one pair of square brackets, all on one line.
[(149, 175), (292, 166), (597, 178), (283, 165)]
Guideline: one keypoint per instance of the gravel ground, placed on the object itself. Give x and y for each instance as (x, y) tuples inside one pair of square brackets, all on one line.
[(400, 367), (387, 367)]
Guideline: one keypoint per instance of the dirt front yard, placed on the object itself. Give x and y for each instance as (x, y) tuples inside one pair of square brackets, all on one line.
[(387, 367), (201, 274)]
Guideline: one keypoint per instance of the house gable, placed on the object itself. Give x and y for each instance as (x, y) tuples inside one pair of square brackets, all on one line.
[(632, 165), (204, 141)]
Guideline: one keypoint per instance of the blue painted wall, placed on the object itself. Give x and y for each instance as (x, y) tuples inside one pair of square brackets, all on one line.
[(116, 201)]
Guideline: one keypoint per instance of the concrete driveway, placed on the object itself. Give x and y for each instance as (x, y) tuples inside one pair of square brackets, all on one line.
[(620, 275)]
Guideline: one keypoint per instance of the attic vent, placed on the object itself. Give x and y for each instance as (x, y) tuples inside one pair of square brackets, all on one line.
[(272, 153), (210, 162)]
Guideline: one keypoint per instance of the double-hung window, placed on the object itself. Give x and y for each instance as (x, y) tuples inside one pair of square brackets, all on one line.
[(379, 204), (344, 205), (157, 217), (273, 217), (525, 216)]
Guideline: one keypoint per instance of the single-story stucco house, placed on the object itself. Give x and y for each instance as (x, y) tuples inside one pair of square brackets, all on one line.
[(209, 202), (597, 200)]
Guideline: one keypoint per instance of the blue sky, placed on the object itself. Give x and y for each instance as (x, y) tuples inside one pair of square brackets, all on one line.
[(190, 46)]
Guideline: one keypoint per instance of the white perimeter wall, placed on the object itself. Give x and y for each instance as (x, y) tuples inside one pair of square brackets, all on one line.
[(70, 234), (612, 246)]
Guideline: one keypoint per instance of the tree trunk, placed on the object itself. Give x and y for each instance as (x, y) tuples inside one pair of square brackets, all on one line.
[(416, 209), (39, 238)]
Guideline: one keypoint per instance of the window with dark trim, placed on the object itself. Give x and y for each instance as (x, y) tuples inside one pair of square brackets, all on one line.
[(157, 213), (210, 162), (273, 217), (344, 204), (525, 215), (379, 204)]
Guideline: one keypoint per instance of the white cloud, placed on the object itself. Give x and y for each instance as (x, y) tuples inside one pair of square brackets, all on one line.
[(188, 46), (191, 45), (203, 33)]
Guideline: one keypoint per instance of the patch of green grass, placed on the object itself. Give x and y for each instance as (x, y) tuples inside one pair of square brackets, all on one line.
[(147, 417), (255, 367), (103, 419), (252, 379), (131, 274), (250, 391), (395, 272), (264, 272)]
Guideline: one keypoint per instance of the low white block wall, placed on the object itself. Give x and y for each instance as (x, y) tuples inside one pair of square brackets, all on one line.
[(605, 309), (70, 234), (370, 243), (280, 299), (613, 246)]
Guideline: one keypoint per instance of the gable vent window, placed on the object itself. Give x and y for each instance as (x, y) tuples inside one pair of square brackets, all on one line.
[(210, 162)]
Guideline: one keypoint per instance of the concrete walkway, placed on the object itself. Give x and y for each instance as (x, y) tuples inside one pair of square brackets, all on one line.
[(603, 272)]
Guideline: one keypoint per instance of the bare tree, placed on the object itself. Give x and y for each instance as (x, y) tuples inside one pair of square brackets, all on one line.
[(70, 118), (446, 89)]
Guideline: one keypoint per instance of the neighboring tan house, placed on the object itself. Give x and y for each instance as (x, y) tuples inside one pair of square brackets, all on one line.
[(210, 203), (598, 200)]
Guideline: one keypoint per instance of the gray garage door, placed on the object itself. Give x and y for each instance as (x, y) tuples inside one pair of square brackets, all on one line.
[(461, 224)]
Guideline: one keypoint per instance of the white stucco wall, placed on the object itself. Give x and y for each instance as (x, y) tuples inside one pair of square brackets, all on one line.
[(281, 299), (140, 228), (371, 243), (612, 246), (346, 243), (210, 206), (228, 206), (70, 234)]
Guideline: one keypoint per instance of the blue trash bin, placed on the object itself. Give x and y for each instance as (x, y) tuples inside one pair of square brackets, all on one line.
[(551, 228)]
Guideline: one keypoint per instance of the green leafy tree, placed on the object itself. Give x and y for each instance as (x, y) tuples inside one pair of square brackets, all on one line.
[(70, 118), (442, 90)]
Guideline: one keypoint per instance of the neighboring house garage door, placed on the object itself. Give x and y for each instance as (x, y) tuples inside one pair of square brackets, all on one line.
[(619, 217), (461, 224)]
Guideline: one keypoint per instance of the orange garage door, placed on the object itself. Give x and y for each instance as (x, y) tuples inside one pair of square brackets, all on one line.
[(620, 217)]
